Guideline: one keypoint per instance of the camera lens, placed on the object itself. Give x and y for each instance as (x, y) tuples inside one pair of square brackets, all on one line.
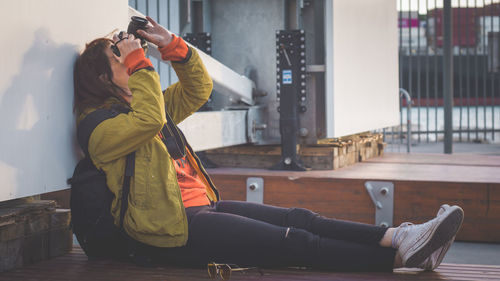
[(140, 21), (135, 24)]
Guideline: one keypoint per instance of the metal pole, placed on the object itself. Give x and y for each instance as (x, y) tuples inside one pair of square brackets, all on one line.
[(436, 71), (492, 75), (460, 86), (485, 67), (448, 76), (467, 67), (404, 94), (419, 71), (291, 69), (476, 73), (427, 63)]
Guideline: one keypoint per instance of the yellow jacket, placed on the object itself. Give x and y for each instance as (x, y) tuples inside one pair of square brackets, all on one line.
[(155, 213)]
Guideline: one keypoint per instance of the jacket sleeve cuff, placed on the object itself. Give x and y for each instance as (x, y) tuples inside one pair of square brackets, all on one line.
[(177, 50), (136, 60)]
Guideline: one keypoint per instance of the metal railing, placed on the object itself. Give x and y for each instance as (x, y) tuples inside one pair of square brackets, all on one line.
[(475, 74), (403, 95)]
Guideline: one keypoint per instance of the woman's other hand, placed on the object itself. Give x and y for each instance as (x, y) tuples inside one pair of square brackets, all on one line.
[(156, 34), (126, 45)]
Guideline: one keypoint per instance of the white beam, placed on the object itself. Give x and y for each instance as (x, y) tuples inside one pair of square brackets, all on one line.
[(215, 129)]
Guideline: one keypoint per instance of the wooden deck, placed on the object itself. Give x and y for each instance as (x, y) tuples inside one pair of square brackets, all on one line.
[(422, 183), (75, 266)]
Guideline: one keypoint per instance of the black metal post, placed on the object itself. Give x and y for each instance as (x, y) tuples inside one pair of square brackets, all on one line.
[(410, 65), (448, 76), (291, 93), (436, 78), (460, 88), (427, 69)]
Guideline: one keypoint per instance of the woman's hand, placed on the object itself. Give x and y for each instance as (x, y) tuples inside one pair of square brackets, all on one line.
[(126, 45), (156, 34)]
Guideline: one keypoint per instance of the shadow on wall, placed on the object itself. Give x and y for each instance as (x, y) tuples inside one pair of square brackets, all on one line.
[(37, 144)]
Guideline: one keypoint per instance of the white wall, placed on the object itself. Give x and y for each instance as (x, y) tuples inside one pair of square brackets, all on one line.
[(361, 66), (40, 40)]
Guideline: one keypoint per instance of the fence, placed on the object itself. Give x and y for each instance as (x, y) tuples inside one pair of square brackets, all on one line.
[(476, 70)]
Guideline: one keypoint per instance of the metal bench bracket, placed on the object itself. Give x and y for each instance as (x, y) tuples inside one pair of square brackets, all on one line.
[(255, 190), (382, 195)]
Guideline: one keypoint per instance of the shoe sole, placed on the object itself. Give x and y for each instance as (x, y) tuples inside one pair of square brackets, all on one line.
[(439, 236), (446, 247)]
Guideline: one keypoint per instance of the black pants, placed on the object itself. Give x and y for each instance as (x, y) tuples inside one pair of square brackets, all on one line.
[(250, 234)]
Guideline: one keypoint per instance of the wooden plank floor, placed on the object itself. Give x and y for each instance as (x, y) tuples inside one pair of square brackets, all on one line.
[(422, 183), (75, 266), (434, 159), (412, 167)]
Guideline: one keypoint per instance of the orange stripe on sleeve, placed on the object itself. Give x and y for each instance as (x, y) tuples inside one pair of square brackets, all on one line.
[(176, 50), (136, 60)]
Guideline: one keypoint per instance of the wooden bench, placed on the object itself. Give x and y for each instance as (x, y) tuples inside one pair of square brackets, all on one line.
[(75, 266), (422, 182)]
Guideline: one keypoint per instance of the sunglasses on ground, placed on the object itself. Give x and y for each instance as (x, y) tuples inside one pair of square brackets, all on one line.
[(224, 270)]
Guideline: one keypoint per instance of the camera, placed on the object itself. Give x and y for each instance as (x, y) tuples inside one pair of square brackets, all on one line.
[(135, 24)]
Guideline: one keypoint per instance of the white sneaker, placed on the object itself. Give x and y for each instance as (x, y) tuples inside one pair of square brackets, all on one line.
[(417, 242), (435, 259)]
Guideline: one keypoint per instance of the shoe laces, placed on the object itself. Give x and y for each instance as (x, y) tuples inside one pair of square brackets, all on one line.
[(398, 233), (404, 229)]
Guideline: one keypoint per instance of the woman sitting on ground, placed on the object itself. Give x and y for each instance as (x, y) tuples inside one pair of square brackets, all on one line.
[(175, 215)]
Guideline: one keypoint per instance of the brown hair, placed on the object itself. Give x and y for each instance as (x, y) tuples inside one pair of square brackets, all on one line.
[(92, 76)]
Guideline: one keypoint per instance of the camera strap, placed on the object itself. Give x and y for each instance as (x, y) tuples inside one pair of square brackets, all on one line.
[(173, 138)]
